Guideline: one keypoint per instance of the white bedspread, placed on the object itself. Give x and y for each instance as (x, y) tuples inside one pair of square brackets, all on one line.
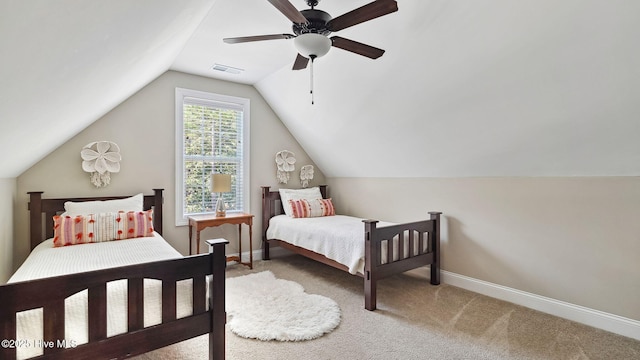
[(339, 237), (46, 261)]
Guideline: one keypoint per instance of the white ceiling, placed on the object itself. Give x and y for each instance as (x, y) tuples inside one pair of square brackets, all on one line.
[(465, 88), (65, 63)]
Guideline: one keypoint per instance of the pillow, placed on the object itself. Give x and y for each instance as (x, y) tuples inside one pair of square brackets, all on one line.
[(82, 229), (304, 208), (297, 194), (327, 207), (134, 203)]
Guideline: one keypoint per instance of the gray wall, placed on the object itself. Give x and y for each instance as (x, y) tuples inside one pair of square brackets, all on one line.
[(7, 201), (144, 128), (571, 239)]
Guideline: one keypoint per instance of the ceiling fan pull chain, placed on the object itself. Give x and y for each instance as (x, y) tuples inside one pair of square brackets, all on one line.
[(311, 78)]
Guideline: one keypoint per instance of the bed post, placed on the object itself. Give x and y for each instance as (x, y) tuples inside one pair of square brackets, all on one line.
[(323, 191), (158, 201), (371, 255), (435, 248), (267, 212), (217, 298), (35, 217)]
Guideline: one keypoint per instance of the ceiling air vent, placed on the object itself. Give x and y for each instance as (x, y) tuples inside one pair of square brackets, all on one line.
[(227, 69)]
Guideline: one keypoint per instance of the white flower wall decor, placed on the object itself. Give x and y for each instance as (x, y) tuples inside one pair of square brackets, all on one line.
[(306, 175), (285, 161), (100, 159)]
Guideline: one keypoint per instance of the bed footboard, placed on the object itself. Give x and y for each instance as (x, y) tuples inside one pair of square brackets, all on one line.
[(395, 249), (49, 294)]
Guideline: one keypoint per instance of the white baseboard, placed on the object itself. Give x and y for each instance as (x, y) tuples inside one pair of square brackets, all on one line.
[(599, 319)]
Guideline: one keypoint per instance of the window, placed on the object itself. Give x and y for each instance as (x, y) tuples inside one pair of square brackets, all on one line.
[(212, 136)]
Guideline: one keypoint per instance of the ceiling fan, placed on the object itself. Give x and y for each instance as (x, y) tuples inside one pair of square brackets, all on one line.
[(312, 28)]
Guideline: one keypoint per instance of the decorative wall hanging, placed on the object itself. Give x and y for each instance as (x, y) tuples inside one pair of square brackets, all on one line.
[(285, 160), (306, 175), (100, 159)]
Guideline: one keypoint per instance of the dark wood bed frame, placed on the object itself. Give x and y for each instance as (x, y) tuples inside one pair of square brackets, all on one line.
[(50, 293), (375, 238)]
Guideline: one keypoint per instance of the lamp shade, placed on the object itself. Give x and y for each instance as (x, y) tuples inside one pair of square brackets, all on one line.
[(312, 44), (220, 183)]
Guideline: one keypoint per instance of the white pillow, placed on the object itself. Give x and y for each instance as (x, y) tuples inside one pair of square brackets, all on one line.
[(134, 203), (297, 194)]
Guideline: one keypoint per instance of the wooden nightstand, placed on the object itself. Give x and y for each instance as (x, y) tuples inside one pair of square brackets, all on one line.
[(199, 222)]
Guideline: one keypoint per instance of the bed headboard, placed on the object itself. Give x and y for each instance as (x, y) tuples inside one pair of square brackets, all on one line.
[(272, 206), (41, 211)]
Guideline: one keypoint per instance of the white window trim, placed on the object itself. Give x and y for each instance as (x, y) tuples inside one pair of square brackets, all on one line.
[(181, 93)]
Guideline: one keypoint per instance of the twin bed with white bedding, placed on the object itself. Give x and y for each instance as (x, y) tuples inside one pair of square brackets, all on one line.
[(331, 236), (303, 221), (109, 299)]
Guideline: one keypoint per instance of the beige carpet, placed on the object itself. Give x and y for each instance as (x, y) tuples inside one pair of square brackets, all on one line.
[(415, 320)]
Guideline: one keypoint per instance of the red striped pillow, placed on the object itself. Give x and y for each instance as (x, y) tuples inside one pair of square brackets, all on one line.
[(101, 227), (300, 208), (327, 207), (305, 208), (139, 224)]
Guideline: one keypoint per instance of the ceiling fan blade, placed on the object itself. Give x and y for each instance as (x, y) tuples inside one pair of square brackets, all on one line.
[(300, 63), (236, 40), (289, 11), (365, 13), (356, 47)]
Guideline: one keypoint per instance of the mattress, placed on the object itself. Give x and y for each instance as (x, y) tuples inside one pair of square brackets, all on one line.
[(339, 238), (47, 261)]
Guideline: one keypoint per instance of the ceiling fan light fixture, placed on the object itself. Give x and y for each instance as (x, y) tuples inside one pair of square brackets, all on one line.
[(311, 44), (312, 28)]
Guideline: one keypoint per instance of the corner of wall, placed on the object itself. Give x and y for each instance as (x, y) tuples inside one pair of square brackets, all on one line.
[(7, 195)]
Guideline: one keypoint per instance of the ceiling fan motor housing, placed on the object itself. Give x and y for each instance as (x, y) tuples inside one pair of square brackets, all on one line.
[(318, 20)]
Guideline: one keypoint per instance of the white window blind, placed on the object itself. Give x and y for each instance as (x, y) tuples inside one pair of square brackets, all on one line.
[(212, 137)]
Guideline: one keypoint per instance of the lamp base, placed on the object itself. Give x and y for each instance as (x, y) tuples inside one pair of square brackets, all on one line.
[(220, 207)]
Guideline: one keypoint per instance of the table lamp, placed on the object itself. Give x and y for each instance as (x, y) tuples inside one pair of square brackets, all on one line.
[(220, 183)]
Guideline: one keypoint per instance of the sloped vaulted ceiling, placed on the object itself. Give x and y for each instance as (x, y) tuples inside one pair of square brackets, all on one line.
[(465, 88), (475, 88), (65, 63)]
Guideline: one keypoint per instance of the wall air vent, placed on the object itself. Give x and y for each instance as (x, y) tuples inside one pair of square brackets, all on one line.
[(227, 69)]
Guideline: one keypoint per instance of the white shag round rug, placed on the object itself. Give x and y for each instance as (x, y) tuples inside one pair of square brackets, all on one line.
[(260, 306)]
